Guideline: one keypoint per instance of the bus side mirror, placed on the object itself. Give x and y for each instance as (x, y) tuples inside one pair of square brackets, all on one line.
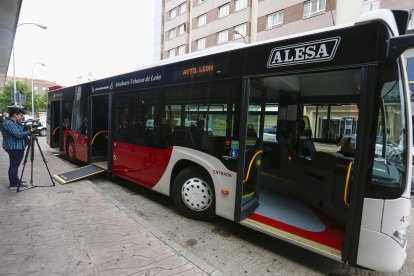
[(397, 45)]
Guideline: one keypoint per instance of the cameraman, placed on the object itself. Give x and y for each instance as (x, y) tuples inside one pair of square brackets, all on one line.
[(14, 142)]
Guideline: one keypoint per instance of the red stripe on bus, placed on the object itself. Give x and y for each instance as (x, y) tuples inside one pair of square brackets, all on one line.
[(140, 164), (332, 237)]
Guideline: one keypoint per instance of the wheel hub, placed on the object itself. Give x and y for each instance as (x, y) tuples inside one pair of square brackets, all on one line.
[(197, 194)]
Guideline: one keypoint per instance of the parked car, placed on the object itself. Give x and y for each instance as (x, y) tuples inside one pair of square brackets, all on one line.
[(269, 134)]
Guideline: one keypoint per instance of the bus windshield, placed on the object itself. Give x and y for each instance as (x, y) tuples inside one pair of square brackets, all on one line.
[(390, 168)]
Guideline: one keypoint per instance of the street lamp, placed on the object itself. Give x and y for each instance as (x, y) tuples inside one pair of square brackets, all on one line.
[(242, 36), (14, 62), (33, 112)]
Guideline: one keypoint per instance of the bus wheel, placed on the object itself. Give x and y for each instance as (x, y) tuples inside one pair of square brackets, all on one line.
[(71, 151), (194, 194)]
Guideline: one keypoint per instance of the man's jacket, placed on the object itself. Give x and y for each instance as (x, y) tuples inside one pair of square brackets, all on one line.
[(14, 135)]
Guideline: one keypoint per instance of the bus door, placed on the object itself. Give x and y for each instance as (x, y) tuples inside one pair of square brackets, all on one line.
[(250, 166), (99, 127), (56, 117)]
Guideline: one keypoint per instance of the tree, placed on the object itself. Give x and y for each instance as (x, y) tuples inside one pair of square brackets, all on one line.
[(6, 97), (40, 102)]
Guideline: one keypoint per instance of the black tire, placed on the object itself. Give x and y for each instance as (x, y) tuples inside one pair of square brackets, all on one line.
[(43, 132), (71, 151), (194, 195)]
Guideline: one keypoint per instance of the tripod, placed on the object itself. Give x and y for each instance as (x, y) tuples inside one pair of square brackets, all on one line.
[(30, 150)]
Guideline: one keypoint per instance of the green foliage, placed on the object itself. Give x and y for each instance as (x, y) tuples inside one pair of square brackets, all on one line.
[(40, 102), (6, 92)]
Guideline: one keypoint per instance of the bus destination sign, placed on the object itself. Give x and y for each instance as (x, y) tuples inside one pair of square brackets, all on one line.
[(198, 70)]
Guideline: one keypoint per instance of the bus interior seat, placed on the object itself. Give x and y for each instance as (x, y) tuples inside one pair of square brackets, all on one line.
[(199, 135), (348, 145), (182, 136), (271, 153)]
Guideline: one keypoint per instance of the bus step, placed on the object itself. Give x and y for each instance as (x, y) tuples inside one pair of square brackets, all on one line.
[(80, 173)]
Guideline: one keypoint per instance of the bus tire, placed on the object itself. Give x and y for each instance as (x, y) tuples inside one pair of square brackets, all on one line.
[(71, 151), (193, 194)]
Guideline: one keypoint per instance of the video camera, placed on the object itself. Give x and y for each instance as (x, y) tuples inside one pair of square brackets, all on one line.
[(31, 124)]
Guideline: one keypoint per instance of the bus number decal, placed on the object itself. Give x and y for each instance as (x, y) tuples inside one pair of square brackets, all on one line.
[(404, 219)]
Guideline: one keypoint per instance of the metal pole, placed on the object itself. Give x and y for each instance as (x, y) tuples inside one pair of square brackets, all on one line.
[(242, 36), (14, 78), (33, 113), (14, 61), (33, 110)]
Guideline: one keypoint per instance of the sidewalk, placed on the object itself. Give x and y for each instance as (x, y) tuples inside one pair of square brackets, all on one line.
[(74, 230)]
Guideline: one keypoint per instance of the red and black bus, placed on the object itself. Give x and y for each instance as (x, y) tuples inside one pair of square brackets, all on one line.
[(256, 134)]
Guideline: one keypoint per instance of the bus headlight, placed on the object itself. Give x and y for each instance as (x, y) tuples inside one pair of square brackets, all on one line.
[(401, 236)]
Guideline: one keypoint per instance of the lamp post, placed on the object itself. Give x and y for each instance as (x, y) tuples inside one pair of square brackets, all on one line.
[(14, 61), (33, 112), (242, 36)]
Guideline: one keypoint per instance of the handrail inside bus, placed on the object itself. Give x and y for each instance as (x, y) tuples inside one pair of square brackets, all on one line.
[(347, 183), (248, 195), (94, 137), (250, 165), (54, 131)]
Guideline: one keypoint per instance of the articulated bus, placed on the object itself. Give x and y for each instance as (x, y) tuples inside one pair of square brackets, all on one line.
[(335, 176)]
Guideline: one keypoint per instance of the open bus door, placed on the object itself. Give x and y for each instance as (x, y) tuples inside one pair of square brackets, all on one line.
[(99, 148), (249, 161), (55, 135)]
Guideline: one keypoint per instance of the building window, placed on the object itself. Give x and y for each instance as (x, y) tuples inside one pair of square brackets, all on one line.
[(241, 4), (240, 31), (224, 10), (201, 1), (173, 13), (171, 53), (181, 29), (202, 20), (313, 7), (411, 24), (274, 19), (182, 8), (201, 43), (222, 37), (181, 50), (171, 33)]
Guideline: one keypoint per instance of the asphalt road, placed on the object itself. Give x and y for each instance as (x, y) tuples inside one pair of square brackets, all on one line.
[(229, 247)]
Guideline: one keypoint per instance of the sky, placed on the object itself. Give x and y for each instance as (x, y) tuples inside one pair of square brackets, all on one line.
[(85, 39)]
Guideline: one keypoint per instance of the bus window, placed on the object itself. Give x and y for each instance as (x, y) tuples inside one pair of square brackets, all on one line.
[(321, 124), (333, 126), (410, 75), (270, 123), (80, 112)]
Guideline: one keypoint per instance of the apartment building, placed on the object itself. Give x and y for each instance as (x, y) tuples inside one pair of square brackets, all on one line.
[(185, 26)]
